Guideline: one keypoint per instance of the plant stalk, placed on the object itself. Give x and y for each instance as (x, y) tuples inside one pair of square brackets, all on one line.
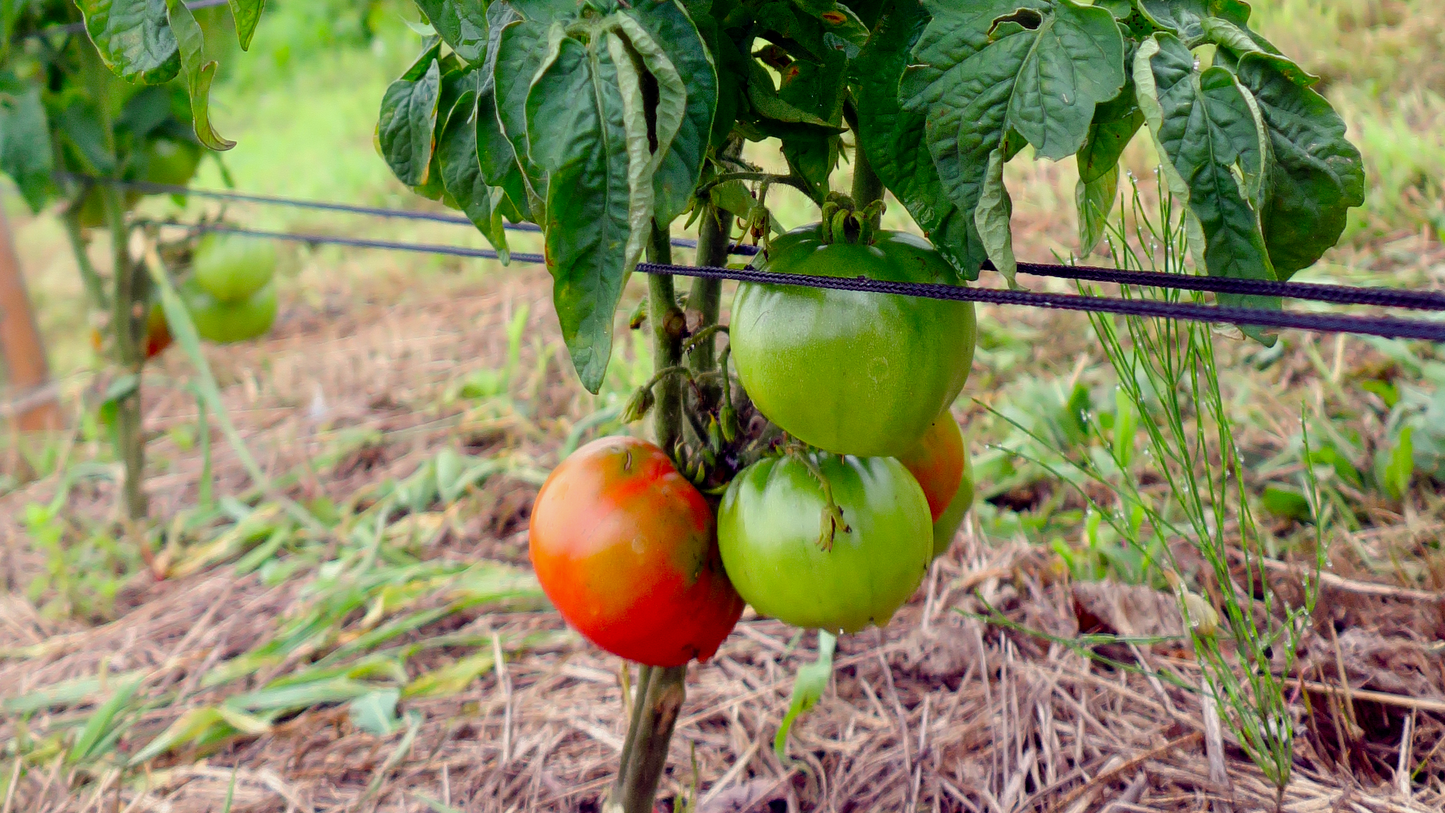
[(660, 692), (126, 323), (94, 287), (867, 186), (706, 296)]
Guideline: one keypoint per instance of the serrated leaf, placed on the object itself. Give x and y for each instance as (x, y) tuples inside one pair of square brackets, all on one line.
[(461, 24), (520, 51), (1315, 173), (134, 38), (980, 74), (673, 40), (246, 14), (1095, 201), (26, 154), (1076, 62), (407, 126), (375, 712), (461, 173), (576, 122), (199, 73), (808, 687), (894, 139), (995, 208), (1206, 130)]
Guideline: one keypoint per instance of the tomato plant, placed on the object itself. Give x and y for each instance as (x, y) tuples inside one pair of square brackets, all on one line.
[(856, 570), (941, 466), (850, 372), (624, 547), (116, 90), (605, 122)]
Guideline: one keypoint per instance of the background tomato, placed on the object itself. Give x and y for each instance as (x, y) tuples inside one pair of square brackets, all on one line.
[(170, 162), (936, 462), (158, 333), (853, 373), (226, 322), (624, 547), (768, 532), (232, 267), (946, 526)]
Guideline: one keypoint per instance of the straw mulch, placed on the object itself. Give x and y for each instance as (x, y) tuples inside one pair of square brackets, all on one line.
[(936, 712)]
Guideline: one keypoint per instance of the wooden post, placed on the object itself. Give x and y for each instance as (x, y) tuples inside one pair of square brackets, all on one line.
[(20, 342)]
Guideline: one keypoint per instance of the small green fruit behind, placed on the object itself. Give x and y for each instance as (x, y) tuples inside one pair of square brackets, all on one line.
[(849, 372), (170, 162), (945, 528), (232, 267), (227, 322), (769, 536)]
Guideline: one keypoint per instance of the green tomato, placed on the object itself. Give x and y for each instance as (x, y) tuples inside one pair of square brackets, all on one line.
[(772, 544), (232, 267), (227, 322), (945, 528), (170, 162), (853, 373)]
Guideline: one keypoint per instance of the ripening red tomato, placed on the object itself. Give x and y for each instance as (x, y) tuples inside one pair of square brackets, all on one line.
[(158, 333), (626, 549), (941, 466)]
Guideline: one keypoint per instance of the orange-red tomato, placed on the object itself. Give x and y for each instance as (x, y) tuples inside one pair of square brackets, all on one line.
[(158, 333), (626, 548), (937, 463)]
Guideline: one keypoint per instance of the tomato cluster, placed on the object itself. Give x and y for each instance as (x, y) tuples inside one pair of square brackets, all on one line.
[(832, 530), (231, 294)]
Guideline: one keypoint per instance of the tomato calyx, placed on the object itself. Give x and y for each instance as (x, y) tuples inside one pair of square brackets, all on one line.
[(843, 223), (831, 521)]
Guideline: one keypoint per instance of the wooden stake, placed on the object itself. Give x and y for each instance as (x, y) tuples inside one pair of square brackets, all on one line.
[(20, 341)]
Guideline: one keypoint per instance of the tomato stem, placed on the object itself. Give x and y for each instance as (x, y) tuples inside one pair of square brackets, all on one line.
[(831, 521), (713, 237)]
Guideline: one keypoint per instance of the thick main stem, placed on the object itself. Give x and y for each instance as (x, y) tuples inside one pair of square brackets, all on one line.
[(706, 296), (125, 323), (867, 186), (660, 692)]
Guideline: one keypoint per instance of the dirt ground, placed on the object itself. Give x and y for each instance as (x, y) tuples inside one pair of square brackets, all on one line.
[(938, 711)]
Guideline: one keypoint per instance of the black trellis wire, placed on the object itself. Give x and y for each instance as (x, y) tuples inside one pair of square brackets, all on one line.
[(1304, 291), (1385, 327)]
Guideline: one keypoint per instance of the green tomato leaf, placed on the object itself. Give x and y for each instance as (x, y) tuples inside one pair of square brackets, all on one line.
[(520, 51), (1114, 126), (995, 208), (638, 134), (675, 54), (246, 14), (767, 104), (991, 67), (406, 129), (894, 139), (1315, 175), (808, 687), (1095, 201), (26, 154), (462, 25), (80, 128), (1076, 62), (199, 73), (461, 173), (1207, 130), (576, 117), (134, 38)]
